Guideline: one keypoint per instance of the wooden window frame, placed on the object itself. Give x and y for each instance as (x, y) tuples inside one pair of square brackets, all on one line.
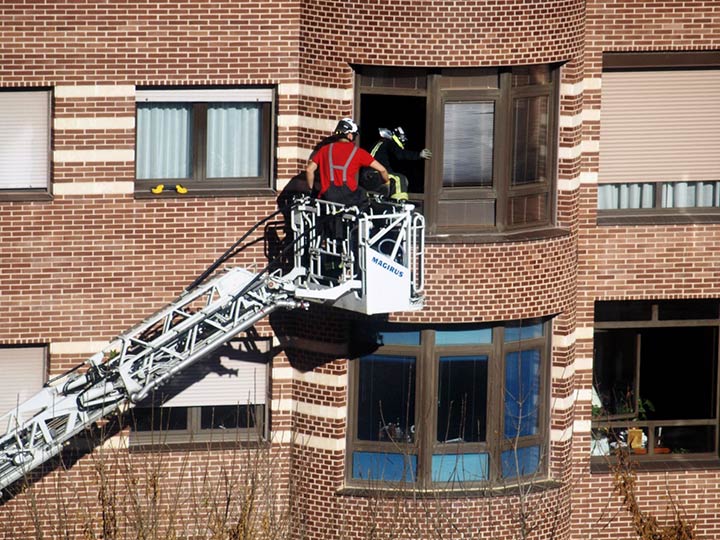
[(623, 421), (198, 184), (425, 445), (194, 433), (457, 85), (667, 60)]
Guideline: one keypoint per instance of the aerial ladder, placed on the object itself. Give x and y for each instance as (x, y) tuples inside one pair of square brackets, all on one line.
[(368, 261)]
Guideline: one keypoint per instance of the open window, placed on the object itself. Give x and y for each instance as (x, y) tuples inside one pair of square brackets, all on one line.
[(492, 132), (655, 378)]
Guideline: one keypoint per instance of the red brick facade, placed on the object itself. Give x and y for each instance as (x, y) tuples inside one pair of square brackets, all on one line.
[(90, 263)]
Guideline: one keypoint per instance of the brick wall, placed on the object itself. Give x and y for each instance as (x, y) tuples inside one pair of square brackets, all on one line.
[(637, 262), (79, 269)]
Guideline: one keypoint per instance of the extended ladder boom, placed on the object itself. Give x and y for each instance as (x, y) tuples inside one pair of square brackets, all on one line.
[(372, 262)]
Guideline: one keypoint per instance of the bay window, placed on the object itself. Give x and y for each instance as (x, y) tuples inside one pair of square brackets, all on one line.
[(451, 406), (493, 136)]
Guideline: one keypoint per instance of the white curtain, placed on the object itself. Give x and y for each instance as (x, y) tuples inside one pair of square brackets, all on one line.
[(234, 132), (164, 132), (690, 194), (625, 196)]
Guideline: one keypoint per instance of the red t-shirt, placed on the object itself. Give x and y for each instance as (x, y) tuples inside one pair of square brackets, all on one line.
[(341, 153)]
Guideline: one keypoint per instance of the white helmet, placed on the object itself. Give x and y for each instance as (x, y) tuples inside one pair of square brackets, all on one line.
[(345, 126)]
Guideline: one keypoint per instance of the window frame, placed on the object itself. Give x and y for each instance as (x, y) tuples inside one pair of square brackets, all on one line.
[(198, 184), (194, 433), (628, 420), (440, 86), (425, 445), (35, 193), (42, 350), (657, 214)]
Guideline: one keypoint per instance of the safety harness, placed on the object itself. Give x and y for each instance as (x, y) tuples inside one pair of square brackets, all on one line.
[(343, 168)]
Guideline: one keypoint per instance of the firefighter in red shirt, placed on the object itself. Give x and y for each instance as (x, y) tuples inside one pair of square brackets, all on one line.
[(339, 162)]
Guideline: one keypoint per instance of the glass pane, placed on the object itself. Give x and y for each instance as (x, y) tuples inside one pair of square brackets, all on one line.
[(601, 441), (626, 196), (159, 419), (521, 463), (234, 140), (462, 398), (467, 213), (530, 75), (227, 417), (678, 373), (386, 398), (379, 335), (522, 393), (687, 309), (470, 336), (614, 367), (164, 135), (530, 145), (690, 194), (684, 439), (459, 467), (623, 311), (468, 144), (384, 466), (528, 209), (521, 330)]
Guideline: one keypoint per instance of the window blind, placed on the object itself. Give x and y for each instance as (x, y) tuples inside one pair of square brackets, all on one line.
[(228, 377), (23, 374), (24, 139), (660, 126)]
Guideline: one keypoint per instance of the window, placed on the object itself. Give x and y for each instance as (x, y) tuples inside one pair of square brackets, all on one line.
[(24, 372), (208, 141), (655, 378), (492, 132), (659, 156), (220, 398), (24, 143), (457, 406)]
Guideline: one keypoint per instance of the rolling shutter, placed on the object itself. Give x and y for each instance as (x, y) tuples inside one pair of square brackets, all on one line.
[(24, 139), (23, 375), (227, 377), (660, 126)]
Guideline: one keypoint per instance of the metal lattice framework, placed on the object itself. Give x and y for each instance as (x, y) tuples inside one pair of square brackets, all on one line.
[(134, 364)]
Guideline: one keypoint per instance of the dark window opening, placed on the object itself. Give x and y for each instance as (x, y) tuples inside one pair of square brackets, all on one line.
[(391, 111), (386, 398), (655, 377), (492, 133)]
